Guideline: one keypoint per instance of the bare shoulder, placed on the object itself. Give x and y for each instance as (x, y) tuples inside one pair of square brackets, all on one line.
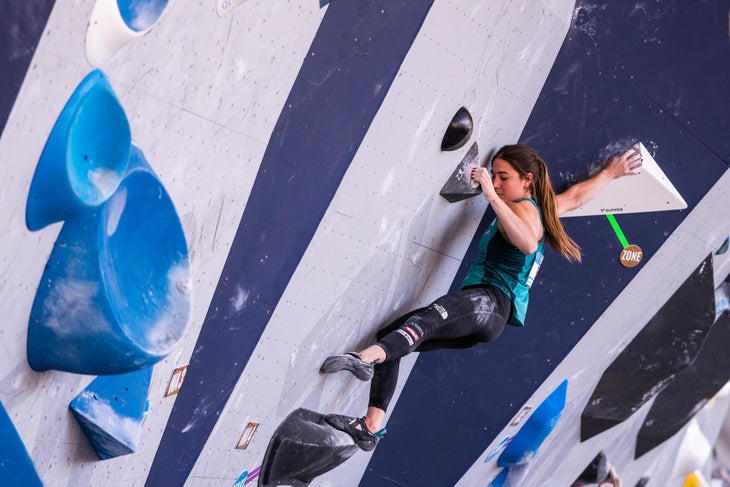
[(528, 213), (524, 207)]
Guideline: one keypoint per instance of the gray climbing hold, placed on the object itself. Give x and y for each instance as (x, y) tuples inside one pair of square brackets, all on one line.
[(460, 185)]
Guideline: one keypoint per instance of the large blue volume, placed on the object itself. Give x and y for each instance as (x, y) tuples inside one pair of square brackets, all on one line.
[(115, 294)]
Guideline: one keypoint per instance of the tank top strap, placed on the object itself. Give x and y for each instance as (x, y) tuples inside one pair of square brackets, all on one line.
[(531, 201)]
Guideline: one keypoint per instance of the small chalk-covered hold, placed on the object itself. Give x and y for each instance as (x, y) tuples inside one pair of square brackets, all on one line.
[(460, 185)]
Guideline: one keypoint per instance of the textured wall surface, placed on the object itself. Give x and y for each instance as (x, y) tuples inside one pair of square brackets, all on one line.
[(300, 144)]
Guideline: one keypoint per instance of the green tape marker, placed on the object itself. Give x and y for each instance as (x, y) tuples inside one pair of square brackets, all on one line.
[(617, 229)]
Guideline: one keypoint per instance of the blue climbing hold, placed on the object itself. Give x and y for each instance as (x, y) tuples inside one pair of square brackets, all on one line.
[(525, 444), (141, 15), (16, 466), (85, 156), (501, 479), (111, 411), (115, 294)]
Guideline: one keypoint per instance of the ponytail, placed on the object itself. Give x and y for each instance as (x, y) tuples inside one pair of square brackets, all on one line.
[(554, 232), (525, 160)]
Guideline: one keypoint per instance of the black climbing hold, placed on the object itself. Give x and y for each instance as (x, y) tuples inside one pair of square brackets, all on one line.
[(596, 471), (676, 405), (460, 185), (303, 447), (459, 130), (667, 345)]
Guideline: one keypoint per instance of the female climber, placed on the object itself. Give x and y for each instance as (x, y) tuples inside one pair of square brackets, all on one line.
[(494, 292)]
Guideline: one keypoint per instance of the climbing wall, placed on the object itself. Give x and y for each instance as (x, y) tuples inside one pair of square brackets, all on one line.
[(291, 155), (623, 60), (199, 140)]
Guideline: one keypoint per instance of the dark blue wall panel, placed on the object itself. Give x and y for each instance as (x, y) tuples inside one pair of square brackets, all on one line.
[(353, 60), (659, 74), (21, 26)]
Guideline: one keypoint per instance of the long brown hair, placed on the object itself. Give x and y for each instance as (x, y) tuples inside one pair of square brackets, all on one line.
[(525, 160)]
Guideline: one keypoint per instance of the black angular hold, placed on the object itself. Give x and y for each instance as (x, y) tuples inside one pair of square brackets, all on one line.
[(459, 130), (676, 405), (591, 426), (596, 471), (668, 344), (460, 185), (302, 448)]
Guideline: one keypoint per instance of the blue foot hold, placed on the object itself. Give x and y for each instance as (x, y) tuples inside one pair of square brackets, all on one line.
[(111, 411)]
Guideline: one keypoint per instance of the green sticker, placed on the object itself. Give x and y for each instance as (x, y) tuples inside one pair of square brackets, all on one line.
[(617, 229)]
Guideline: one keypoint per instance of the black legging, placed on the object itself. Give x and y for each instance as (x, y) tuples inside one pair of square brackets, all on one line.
[(457, 320)]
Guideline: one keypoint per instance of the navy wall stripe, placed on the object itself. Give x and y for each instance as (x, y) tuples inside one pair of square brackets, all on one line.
[(636, 77), (21, 26), (351, 64)]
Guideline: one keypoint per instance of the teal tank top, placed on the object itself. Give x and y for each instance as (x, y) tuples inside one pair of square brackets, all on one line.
[(504, 266)]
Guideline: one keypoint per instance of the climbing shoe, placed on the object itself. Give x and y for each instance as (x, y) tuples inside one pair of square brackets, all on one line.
[(351, 362), (356, 428)]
